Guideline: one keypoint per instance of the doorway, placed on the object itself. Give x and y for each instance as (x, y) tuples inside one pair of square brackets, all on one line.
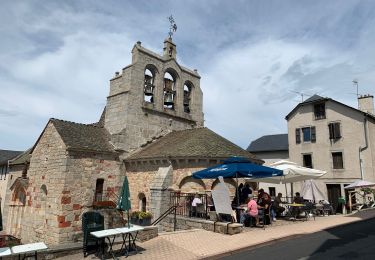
[(334, 193)]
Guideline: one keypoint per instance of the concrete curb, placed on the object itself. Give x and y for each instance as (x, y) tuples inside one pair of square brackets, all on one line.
[(275, 240)]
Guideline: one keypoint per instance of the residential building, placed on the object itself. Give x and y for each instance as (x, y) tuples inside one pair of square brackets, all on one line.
[(271, 148), (328, 135)]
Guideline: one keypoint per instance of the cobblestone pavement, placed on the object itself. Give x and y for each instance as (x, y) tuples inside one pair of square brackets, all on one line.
[(199, 244)]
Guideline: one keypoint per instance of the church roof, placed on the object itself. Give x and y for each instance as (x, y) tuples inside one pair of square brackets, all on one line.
[(6, 155), (23, 158), (269, 143), (191, 143), (83, 137)]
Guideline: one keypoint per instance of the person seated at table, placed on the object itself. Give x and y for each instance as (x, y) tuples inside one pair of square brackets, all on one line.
[(251, 211), (296, 210), (238, 193), (194, 204), (276, 205), (298, 199), (263, 202), (245, 193)]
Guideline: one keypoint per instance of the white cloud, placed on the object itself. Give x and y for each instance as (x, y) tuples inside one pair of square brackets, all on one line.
[(56, 58)]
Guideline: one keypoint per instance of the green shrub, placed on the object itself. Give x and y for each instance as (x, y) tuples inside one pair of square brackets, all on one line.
[(144, 214)]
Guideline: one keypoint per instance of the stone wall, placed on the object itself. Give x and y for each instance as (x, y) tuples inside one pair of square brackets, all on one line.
[(133, 121), (43, 207), (190, 223)]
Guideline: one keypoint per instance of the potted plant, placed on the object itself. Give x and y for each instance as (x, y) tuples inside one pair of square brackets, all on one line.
[(134, 217), (145, 218)]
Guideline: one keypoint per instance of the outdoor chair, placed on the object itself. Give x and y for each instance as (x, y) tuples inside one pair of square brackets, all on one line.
[(91, 221), (327, 209), (309, 209), (265, 218)]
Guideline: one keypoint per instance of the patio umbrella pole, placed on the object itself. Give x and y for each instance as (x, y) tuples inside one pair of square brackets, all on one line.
[(238, 198)]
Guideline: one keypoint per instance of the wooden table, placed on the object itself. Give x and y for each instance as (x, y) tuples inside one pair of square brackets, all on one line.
[(28, 248)]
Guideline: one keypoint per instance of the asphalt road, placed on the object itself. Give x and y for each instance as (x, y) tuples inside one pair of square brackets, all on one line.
[(353, 241)]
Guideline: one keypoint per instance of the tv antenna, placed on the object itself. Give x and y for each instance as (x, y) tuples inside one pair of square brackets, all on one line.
[(301, 93), (172, 26), (355, 84)]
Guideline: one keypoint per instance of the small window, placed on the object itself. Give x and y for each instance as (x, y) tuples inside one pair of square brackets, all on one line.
[(334, 131), (320, 111), (337, 160), (99, 190), (298, 135), (307, 160), (272, 191), (309, 134)]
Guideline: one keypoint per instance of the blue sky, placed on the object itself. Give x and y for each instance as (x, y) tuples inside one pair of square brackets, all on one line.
[(56, 58)]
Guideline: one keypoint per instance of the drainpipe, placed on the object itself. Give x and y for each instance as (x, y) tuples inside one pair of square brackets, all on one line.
[(361, 149)]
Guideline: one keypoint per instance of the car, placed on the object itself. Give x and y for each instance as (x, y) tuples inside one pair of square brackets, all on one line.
[(9, 240)]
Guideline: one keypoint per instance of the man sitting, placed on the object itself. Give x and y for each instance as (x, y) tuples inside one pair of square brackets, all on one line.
[(264, 203), (276, 205)]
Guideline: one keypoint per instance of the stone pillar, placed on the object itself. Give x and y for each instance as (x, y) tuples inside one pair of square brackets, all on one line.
[(159, 191)]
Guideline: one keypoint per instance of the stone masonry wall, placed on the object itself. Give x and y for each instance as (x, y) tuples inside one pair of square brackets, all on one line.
[(47, 167), (77, 196)]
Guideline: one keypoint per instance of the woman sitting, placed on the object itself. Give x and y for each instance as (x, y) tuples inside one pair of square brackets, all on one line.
[(251, 211)]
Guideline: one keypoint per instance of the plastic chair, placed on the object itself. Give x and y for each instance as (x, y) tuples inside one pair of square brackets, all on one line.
[(91, 221)]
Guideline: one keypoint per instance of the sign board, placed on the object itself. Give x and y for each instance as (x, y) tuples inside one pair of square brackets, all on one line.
[(221, 197)]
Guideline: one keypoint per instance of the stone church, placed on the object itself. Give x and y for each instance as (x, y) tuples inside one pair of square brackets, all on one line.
[(152, 130)]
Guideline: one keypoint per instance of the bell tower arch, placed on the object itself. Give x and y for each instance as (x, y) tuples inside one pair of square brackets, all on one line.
[(147, 99)]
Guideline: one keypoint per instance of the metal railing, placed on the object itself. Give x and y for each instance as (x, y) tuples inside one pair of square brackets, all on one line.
[(183, 203)]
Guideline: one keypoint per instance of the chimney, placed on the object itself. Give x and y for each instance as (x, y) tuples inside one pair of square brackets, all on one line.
[(366, 103)]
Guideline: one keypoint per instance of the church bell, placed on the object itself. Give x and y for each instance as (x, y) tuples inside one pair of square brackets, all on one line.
[(148, 86), (168, 99)]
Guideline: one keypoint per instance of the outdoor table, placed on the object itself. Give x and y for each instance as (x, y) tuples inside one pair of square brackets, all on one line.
[(291, 206), (126, 234), (5, 251), (107, 233), (28, 248)]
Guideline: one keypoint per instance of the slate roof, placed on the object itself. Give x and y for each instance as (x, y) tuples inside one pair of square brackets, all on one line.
[(269, 143), (317, 98), (22, 158), (6, 155), (83, 137), (191, 143)]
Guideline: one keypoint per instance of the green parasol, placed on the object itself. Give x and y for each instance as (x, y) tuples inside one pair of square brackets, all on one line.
[(124, 198)]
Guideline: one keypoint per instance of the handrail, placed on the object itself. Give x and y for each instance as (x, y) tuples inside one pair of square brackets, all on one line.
[(166, 213)]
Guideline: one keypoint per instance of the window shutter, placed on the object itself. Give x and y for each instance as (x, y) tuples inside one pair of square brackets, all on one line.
[(298, 135), (331, 131), (313, 134), (337, 130)]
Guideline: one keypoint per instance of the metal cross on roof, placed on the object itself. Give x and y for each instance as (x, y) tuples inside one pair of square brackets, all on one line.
[(172, 27)]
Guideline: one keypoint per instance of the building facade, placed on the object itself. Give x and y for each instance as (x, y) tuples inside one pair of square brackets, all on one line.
[(331, 136)]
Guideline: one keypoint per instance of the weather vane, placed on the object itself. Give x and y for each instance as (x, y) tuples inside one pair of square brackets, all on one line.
[(172, 27)]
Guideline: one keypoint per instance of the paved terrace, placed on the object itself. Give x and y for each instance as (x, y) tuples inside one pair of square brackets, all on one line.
[(201, 244)]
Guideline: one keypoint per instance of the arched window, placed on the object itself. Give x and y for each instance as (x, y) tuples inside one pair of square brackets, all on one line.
[(43, 192), (142, 201), (188, 87), (169, 90), (149, 86)]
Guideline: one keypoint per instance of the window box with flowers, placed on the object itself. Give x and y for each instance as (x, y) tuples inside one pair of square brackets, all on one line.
[(142, 218)]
